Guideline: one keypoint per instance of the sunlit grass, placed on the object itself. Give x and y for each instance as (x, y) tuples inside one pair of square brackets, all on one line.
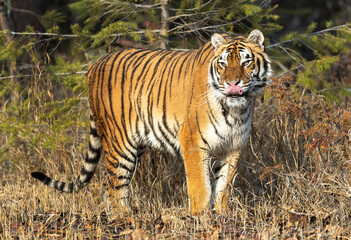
[(289, 186)]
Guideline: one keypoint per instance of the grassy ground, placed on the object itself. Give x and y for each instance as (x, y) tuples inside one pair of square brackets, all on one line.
[(293, 183)]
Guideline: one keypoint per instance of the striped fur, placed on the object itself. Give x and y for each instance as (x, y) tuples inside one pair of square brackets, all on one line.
[(195, 104)]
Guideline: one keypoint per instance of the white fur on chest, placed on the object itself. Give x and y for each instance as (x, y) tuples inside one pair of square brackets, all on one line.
[(229, 132)]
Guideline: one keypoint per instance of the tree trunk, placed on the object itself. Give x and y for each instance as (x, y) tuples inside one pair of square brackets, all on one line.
[(164, 24), (6, 23)]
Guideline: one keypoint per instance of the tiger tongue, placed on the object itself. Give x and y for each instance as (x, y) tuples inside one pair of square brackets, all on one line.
[(233, 89)]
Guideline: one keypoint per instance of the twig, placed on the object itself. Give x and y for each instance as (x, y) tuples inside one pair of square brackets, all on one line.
[(336, 28), (41, 75)]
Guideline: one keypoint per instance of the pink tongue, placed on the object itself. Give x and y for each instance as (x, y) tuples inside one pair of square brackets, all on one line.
[(234, 90)]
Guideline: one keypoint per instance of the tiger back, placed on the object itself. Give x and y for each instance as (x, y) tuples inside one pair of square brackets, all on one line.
[(194, 104)]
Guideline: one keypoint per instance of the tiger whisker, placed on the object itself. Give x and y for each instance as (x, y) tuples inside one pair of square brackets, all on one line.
[(208, 99)]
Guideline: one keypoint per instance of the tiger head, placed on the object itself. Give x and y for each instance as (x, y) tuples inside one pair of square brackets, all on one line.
[(239, 68)]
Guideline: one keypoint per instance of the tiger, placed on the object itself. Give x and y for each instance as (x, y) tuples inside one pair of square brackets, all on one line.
[(196, 104)]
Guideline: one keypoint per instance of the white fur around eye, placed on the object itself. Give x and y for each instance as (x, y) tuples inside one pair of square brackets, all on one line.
[(222, 64), (222, 61), (245, 56), (247, 63)]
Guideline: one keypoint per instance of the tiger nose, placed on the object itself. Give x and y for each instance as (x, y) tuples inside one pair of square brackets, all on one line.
[(236, 82)]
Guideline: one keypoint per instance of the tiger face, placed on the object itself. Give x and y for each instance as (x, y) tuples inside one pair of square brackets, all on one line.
[(239, 68)]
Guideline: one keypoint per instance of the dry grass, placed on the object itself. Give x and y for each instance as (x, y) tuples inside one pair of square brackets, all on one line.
[(293, 183)]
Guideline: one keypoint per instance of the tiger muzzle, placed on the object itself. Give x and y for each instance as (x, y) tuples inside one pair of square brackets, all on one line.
[(233, 89)]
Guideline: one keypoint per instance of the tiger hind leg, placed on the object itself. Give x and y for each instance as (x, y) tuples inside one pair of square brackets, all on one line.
[(121, 168)]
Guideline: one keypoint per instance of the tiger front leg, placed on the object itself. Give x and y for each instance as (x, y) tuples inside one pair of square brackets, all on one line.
[(196, 165), (224, 172)]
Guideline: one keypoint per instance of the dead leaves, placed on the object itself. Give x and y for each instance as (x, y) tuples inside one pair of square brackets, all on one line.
[(285, 223)]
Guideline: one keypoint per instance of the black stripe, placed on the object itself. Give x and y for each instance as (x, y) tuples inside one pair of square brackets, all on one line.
[(100, 79), (198, 127), (164, 107), (62, 186), (136, 64), (120, 177), (157, 64), (115, 124), (171, 76), (122, 156), (121, 148), (93, 131), (56, 184), (122, 82), (100, 96), (93, 160), (152, 82), (94, 150), (167, 139), (215, 128), (113, 164), (182, 65), (218, 168), (126, 168), (150, 99), (70, 187), (142, 76), (225, 113), (169, 65), (155, 80), (85, 172), (126, 65), (193, 82), (258, 62), (118, 164), (210, 109), (152, 129), (265, 64), (119, 186), (205, 49)]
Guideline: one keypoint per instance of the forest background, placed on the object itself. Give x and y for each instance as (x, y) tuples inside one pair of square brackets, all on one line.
[(294, 178)]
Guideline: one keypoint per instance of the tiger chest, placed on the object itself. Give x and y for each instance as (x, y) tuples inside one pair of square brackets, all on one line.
[(230, 131)]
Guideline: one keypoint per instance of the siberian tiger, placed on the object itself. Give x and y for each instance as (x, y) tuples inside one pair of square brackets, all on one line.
[(194, 104)]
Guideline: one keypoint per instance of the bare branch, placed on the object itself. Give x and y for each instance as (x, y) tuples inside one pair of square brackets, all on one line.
[(193, 9), (41, 75), (132, 5), (44, 34), (25, 11), (336, 28), (207, 27), (35, 34)]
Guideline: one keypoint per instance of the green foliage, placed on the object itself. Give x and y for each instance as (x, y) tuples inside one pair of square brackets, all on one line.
[(88, 11), (52, 18), (72, 82), (104, 19), (10, 49), (107, 34), (250, 9), (326, 47)]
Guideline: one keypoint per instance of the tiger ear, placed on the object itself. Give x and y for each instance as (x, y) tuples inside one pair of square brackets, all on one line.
[(256, 37), (217, 40)]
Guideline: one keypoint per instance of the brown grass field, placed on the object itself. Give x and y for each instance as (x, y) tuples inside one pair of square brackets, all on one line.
[(293, 183)]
